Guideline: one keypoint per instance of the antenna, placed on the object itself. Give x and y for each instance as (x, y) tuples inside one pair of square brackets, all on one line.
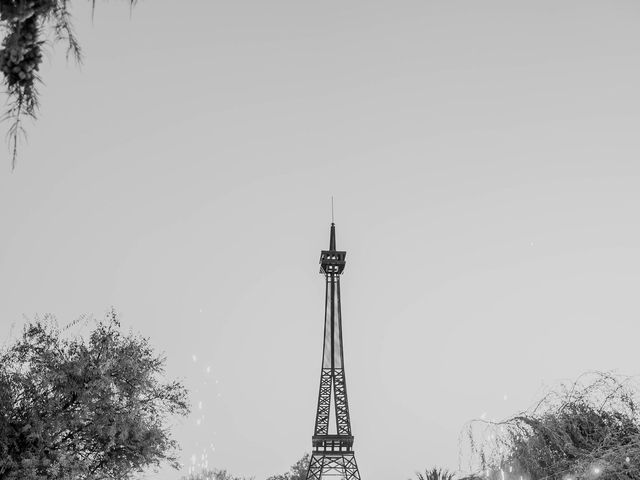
[(332, 209)]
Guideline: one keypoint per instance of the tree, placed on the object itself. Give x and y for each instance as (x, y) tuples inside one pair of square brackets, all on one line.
[(586, 430), (84, 409), (207, 474), (435, 474), (24, 23), (298, 470)]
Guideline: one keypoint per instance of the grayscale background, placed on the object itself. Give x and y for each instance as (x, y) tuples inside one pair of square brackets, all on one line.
[(484, 159)]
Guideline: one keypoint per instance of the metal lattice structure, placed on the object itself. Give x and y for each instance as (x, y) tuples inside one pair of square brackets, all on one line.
[(332, 454)]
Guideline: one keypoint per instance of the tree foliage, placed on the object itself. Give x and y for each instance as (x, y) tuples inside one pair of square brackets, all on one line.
[(84, 409), (23, 24), (435, 474), (586, 430), (207, 474), (298, 470)]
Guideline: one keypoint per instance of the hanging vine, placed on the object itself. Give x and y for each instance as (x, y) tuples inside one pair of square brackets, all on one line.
[(23, 24)]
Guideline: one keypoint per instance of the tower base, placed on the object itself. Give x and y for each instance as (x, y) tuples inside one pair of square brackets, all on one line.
[(340, 465)]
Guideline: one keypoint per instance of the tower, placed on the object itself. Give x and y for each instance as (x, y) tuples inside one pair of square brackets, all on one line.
[(332, 454)]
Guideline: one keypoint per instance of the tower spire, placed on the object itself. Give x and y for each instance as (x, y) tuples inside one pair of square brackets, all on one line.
[(332, 220), (332, 237)]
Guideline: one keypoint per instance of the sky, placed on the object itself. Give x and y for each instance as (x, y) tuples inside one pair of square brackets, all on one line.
[(483, 158)]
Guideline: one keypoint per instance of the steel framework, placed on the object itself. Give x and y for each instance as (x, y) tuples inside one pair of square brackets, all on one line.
[(332, 454)]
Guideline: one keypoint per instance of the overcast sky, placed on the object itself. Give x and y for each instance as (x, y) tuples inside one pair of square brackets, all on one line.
[(484, 159)]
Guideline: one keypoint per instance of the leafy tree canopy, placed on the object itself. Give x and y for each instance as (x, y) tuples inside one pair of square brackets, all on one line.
[(589, 429), (84, 409), (207, 474), (436, 474), (298, 470)]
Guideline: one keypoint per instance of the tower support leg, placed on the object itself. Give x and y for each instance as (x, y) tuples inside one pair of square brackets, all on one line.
[(337, 465)]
